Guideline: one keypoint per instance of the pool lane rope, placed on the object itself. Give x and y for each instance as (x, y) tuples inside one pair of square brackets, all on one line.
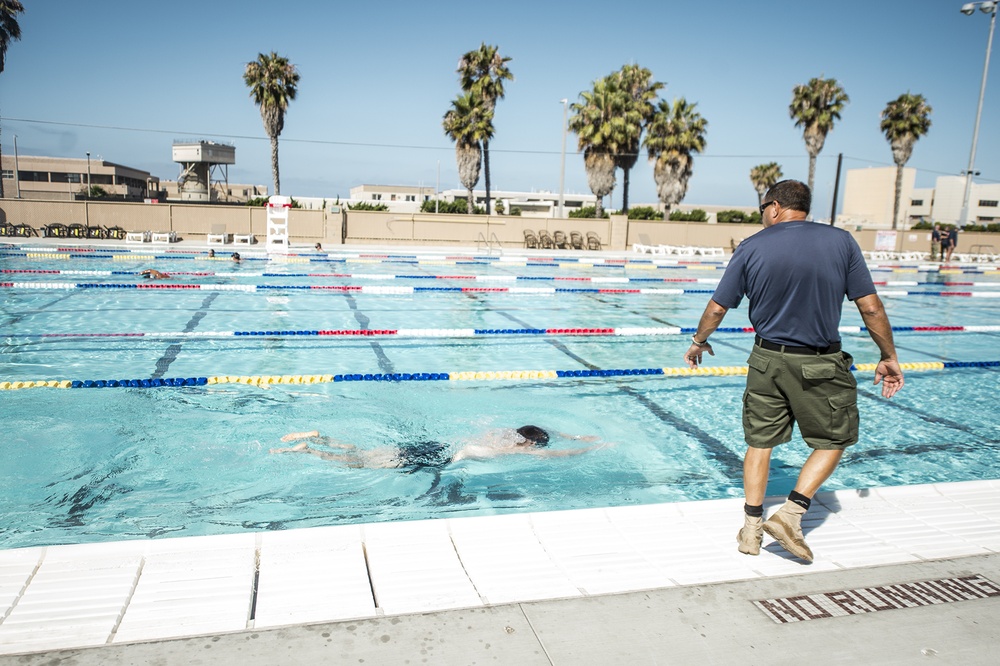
[(474, 278), (490, 375), (404, 290), (479, 332)]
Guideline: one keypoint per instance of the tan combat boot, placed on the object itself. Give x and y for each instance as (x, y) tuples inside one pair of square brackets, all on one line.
[(751, 534), (785, 525)]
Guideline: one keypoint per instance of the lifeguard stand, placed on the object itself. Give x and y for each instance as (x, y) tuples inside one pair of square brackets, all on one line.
[(277, 224)]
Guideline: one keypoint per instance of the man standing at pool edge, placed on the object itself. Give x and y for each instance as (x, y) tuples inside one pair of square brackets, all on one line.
[(796, 273)]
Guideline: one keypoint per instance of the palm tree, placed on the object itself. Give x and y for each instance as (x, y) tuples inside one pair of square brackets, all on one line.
[(273, 83), (763, 177), (814, 107), (482, 73), (10, 31), (676, 132), (468, 123), (637, 84), (904, 120), (602, 134)]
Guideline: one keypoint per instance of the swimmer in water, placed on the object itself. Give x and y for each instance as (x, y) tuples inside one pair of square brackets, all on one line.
[(526, 440), (154, 274)]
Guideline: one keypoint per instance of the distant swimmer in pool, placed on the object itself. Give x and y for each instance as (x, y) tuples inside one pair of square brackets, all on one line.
[(236, 257), (526, 440), (154, 274)]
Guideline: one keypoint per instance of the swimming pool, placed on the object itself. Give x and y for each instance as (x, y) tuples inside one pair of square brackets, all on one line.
[(120, 463)]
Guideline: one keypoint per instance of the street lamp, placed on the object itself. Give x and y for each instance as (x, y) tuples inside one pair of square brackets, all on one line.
[(88, 175), (562, 169), (968, 9)]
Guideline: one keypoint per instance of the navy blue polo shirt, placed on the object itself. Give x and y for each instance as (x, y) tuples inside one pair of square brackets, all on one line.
[(796, 275)]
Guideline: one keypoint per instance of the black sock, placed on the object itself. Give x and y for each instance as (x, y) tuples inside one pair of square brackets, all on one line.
[(754, 511), (800, 499)]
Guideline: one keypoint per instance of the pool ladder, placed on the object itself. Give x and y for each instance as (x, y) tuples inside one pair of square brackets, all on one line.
[(489, 242)]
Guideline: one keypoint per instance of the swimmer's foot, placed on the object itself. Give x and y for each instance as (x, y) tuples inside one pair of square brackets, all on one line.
[(292, 436), (750, 536), (785, 525)]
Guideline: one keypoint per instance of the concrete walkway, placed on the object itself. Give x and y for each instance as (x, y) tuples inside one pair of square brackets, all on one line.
[(901, 573)]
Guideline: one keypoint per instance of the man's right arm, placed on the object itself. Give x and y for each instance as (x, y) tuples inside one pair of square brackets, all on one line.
[(876, 321)]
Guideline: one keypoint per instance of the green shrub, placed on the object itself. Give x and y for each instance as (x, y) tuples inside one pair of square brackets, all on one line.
[(923, 224), (644, 213), (456, 207), (260, 202), (737, 217), (367, 205), (696, 215), (586, 212), (516, 211)]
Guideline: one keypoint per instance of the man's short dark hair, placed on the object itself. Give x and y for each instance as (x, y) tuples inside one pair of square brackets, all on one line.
[(534, 434), (792, 194)]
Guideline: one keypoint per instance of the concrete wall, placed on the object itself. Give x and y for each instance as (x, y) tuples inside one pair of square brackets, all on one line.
[(193, 222)]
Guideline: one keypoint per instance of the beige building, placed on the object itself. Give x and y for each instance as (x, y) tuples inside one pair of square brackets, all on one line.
[(62, 178), (869, 195), (220, 191)]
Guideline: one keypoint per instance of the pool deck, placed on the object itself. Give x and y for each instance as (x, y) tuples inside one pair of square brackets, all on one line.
[(658, 583), (652, 584)]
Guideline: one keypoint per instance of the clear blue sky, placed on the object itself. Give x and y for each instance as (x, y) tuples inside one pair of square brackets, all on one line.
[(377, 77)]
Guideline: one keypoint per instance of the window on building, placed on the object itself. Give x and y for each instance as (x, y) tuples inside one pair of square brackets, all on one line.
[(916, 202), (988, 203), (427, 197), (411, 197), (7, 173), (392, 197), (66, 177), (377, 197), (33, 176)]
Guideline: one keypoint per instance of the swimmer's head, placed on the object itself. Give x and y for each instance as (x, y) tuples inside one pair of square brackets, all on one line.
[(211, 253), (236, 256), (534, 435)]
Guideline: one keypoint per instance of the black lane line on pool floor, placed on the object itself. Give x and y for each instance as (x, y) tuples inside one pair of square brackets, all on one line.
[(384, 364), (714, 448), (170, 355)]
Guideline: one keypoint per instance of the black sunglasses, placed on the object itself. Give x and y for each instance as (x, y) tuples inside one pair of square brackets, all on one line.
[(765, 205)]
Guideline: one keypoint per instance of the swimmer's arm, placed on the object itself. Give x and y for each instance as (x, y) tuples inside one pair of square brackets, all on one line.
[(295, 436), (579, 438), (560, 453)]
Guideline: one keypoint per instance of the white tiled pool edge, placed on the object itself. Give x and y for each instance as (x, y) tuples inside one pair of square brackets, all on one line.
[(119, 592)]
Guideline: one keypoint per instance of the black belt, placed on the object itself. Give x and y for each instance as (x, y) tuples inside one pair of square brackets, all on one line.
[(789, 349)]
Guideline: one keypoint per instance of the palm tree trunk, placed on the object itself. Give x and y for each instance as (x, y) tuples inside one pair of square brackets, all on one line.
[(274, 165), (899, 191), (469, 203), (812, 171), (625, 172), (486, 171), (599, 208)]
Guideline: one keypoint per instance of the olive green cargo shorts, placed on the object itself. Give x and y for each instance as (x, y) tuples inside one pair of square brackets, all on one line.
[(818, 392)]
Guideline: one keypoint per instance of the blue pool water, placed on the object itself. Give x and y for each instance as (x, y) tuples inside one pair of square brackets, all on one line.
[(82, 465)]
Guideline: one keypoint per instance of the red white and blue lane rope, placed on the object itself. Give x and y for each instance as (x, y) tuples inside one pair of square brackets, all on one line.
[(481, 332), (386, 289)]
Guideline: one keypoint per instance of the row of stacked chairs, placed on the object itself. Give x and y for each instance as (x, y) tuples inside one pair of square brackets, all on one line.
[(559, 241), (58, 230)]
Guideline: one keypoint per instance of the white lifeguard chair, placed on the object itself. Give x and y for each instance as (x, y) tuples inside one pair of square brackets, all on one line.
[(277, 224)]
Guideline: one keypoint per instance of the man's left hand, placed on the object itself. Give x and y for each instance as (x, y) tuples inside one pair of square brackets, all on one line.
[(693, 355)]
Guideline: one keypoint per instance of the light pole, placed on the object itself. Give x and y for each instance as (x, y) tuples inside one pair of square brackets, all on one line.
[(88, 175), (968, 9), (17, 178), (562, 168)]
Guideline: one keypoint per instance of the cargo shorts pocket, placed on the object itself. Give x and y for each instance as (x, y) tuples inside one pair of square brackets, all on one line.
[(819, 371), (844, 417)]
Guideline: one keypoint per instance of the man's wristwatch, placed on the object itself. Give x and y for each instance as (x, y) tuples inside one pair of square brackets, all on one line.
[(699, 344)]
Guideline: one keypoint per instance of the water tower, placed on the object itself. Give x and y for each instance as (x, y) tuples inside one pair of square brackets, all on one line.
[(200, 161)]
